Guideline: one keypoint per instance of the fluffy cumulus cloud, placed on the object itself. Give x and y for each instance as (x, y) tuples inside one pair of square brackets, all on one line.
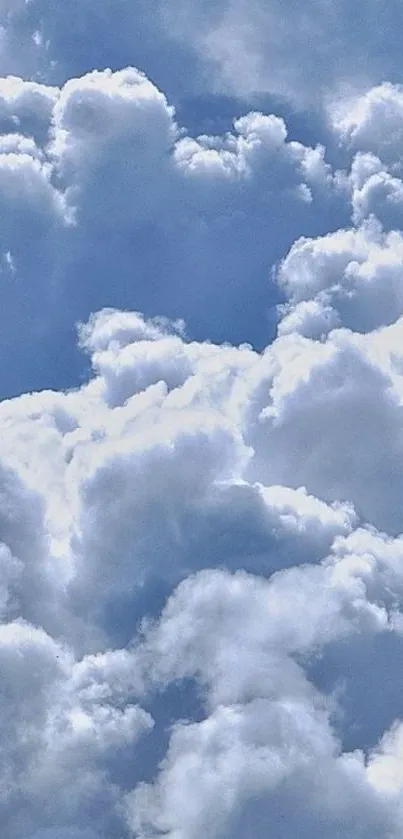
[(201, 578), (100, 180), (245, 488)]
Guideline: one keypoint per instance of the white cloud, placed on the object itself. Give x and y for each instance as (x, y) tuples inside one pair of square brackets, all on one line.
[(148, 481), (256, 494), (266, 748), (350, 278), (101, 181), (26, 106), (331, 420), (115, 132), (372, 121), (148, 476)]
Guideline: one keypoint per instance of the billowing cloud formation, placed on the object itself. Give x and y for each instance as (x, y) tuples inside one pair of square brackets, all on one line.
[(201, 585), (100, 181), (250, 480)]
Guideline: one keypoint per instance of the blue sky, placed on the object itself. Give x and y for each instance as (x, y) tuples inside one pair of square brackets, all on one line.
[(201, 448)]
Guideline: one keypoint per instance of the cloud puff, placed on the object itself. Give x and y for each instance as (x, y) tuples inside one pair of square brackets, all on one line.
[(348, 278), (57, 739), (324, 403), (372, 121)]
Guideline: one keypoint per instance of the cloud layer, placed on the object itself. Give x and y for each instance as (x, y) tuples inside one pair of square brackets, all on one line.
[(242, 48), (247, 485), (201, 585)]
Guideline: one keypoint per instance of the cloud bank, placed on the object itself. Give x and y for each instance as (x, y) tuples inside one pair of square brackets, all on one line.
[(245, 484), (201, 584), (230, 45)]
